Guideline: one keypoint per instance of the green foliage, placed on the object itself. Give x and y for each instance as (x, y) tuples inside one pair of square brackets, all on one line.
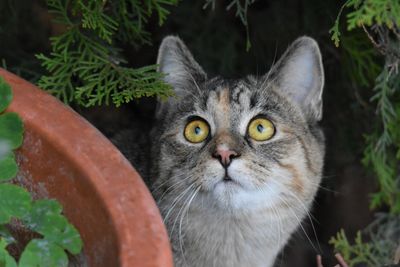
[(356, 253), (41, 216), (11, 130), (383, 235), (383, 144), (43, 253), (14, 202), (367, 13), (383, 147), (370, 12), (335, 31), (45, 218), (86, 65), (8, 166), (380, 21)]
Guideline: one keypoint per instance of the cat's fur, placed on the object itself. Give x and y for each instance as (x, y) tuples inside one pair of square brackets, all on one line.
[(246, 222)]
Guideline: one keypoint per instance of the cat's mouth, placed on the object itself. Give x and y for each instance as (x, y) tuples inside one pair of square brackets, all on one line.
[(228, 180)]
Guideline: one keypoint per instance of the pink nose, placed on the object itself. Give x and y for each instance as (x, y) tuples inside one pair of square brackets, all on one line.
[(225, 156)]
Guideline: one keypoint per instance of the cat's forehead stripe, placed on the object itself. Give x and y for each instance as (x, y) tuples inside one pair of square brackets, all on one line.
[(223, 108), (223, 99)]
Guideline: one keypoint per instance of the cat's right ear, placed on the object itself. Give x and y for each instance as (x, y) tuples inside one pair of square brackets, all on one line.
[(181, 71), (299, 75)]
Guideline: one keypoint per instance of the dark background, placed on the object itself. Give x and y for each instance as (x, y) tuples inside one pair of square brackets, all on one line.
[(217, 40)]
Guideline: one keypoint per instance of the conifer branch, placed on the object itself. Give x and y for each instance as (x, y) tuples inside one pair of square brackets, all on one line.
[(85, 65)]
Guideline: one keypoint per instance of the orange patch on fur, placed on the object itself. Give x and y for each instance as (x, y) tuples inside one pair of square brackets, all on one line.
[(224, 100), (296, 183), (223, 109)]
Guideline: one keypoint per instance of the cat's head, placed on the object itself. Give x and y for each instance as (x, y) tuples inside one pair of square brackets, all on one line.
[(241, 144)]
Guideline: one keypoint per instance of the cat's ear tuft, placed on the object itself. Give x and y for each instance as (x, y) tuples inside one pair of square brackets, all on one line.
[(300, 75), (177, 63)]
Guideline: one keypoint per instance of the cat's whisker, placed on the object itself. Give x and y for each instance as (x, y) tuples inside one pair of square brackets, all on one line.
[(318, 185), (310, 217), (179, 212), (176, 200), (182, 208), (154, 191), (174, 186), (302, 205), (170, 190), (326, 189), (181, 181), (276, 212), (185, 211), (295, 215), (159, 186), (324, 177), (300, 223), (280, 228)]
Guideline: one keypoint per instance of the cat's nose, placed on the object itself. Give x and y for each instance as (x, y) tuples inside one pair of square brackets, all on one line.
[(225, 156)]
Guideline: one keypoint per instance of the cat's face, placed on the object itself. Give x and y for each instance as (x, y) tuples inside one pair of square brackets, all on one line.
[(241, 145)]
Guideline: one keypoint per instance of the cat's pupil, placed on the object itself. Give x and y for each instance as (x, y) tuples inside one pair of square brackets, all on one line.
[(260, 128), (197, 130)]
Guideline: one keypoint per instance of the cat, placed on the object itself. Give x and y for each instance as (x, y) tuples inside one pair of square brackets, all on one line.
[(235, 164)]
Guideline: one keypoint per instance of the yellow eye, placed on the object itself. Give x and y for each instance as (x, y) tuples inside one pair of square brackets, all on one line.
[(196, 131), (261, 129)]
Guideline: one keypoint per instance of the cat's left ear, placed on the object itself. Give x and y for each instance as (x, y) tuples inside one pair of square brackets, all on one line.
[(177, 63), (300, 75)]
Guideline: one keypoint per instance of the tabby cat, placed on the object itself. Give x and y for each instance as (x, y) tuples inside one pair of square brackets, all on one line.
[(235, 164)]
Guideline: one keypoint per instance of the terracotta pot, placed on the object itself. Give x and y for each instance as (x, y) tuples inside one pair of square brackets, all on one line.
[(66, 158)]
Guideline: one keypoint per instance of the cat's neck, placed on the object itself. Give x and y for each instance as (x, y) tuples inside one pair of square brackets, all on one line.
[(230, 239)]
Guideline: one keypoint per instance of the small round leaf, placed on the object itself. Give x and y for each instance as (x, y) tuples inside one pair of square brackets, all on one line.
[(11, 129), (8, 168), (14, 202), (41, 252), (45, 218)]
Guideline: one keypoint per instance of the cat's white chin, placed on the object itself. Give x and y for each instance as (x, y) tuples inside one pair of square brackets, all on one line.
[(241, 191), (233, 195)]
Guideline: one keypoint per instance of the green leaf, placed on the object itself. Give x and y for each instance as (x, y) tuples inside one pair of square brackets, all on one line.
[(14, 202), (5, 95), (11, 129), (46, 218), (335, 33), (43, 253), (8, 168), (68, 239)]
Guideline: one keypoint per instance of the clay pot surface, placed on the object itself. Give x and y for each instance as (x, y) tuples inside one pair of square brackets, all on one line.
[(66, 158)]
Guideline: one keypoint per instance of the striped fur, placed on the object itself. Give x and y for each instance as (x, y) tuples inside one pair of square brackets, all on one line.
[(245, 222)]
